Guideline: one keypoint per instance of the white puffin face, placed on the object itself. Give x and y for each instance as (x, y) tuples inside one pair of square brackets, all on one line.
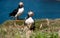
[(21, 3), (30, 13)]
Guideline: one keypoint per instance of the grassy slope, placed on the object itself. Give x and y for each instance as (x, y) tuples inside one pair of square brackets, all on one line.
[(8, 29)]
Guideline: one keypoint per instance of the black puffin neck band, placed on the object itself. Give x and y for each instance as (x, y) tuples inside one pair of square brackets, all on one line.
[(20, 6)]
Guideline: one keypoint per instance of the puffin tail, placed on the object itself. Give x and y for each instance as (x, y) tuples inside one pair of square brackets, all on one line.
[(10, 14)]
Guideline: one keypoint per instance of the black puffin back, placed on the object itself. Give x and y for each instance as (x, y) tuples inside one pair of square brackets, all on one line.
[(14, 11)]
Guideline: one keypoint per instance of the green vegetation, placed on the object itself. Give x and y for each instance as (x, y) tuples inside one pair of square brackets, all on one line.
[(44, 35), (10, 29)]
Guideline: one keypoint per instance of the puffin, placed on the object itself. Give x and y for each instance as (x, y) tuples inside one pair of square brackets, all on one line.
[(30, 21), (18, 11)]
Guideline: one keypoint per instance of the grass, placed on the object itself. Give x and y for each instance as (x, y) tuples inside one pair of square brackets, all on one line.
[(44, 35), (8, 29)]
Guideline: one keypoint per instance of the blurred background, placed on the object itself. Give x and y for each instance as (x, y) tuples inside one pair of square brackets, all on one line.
[(41, 8)]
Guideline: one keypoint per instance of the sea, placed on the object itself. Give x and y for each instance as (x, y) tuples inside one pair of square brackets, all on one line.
[(41, 8)]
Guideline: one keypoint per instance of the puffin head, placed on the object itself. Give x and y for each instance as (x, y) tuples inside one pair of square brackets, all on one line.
[(30, 13), (21, 4)]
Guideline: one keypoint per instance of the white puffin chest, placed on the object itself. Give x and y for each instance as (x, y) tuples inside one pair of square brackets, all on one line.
[(20, 11), (29, 21)]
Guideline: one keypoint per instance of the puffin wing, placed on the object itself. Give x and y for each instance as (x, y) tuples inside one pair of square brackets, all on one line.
[(14, 12)]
